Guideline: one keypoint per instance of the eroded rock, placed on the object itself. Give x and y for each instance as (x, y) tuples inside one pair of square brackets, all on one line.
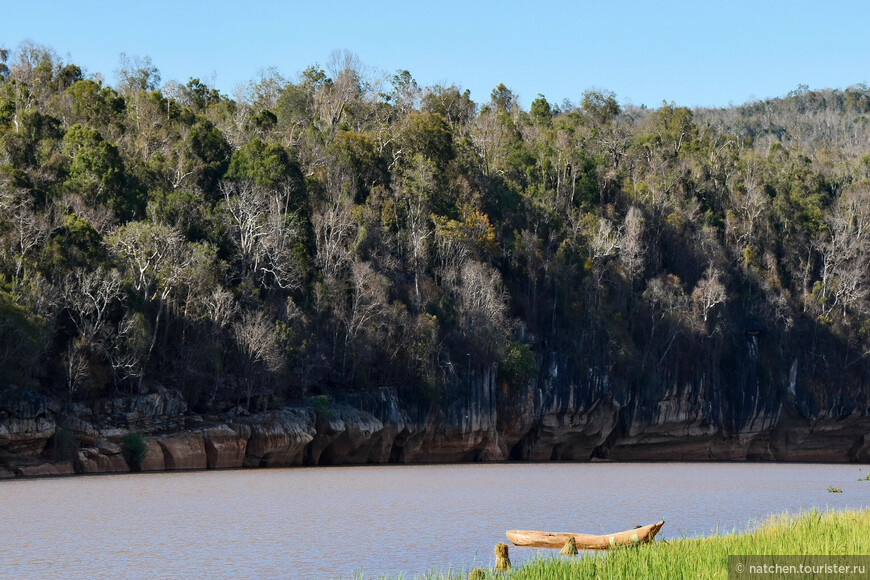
[(154, 460), (279, 438), (104, 458), (185, 450), (45, 469), (224, 447)]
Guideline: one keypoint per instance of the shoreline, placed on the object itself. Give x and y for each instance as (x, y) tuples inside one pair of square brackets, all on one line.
[(785, 539), (40, 437), (69, 470)]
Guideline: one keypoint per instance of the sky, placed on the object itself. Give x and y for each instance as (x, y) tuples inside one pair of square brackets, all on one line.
[(703, 53)]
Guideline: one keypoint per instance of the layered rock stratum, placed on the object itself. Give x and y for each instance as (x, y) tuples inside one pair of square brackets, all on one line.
[(562, 415)]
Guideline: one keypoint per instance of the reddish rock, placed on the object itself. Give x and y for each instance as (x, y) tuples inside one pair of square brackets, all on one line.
[(184, 451), (224, 447), (46, 469), (278, 439), (97, 460), (349, 436), (153, 456)]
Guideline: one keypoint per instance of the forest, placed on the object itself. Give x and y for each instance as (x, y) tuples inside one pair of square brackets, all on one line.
[(349, 229)]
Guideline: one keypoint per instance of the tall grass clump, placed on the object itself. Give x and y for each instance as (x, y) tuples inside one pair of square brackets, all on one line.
[(134, 449)]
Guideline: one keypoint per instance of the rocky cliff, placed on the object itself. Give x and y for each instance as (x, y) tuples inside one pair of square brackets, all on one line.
[(567, 412)]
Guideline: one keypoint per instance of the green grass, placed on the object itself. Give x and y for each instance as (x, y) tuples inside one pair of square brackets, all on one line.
[(814, 532)]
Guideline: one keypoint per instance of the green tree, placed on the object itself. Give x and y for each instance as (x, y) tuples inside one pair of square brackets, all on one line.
[(428, 134), (540, 111), (96, 169), (266, 165), (209, 155)]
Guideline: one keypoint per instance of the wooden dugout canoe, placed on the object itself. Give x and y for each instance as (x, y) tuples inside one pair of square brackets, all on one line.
[(529, 539)]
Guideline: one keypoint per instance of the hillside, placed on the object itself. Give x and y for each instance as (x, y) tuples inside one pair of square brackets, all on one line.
[(668, 278)]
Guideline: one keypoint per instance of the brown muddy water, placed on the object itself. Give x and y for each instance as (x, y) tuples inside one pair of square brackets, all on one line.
[(329, 522)]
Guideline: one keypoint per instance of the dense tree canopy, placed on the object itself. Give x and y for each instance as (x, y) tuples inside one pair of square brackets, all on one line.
[(351, 231)]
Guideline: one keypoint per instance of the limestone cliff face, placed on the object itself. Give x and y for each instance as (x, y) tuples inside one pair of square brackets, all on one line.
[(574, 415), (568, 412)]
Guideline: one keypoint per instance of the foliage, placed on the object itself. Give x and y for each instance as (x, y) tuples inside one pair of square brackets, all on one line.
[(323, 407), (134, 449), (20, 338), (66, 444), (347, 233), (517, 365)]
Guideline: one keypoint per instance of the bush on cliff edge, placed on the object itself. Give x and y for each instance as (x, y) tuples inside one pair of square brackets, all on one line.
[(66, 445), (134, 450)]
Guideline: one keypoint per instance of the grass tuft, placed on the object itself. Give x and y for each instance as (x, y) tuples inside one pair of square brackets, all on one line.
[(570, 547), (502, 560)]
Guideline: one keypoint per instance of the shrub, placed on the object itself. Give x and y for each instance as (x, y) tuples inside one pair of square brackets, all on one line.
[(323, 407), (134, 448), (517, 365), (66, 445)]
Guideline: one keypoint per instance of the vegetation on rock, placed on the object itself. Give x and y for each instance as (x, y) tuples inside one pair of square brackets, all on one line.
[(134, 449)]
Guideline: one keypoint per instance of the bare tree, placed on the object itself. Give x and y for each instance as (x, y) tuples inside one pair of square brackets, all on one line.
[(221, 307), (483, 306), (416, 201), (263, 92), (254, 332), (844, 249), (452, 250), (283, 232), (632, 251), (605, 241), (265, 231), (333, 230), (668, 304), (490, 138), (248, 208), (86, 297), (155, 257), (100, 217), (709, 292), (333, 98), (368, 302), (32, 71), (26, 228), (129, 348), (137, 73), (751, 207), (75, 365)]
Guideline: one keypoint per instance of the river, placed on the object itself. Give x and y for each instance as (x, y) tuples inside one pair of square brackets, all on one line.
[(327, 522)]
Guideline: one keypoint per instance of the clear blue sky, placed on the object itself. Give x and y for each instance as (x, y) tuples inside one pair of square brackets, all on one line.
[(706, 52)]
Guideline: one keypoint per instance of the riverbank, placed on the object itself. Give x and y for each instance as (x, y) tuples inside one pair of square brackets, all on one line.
[(42, 436), (829, 533)]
